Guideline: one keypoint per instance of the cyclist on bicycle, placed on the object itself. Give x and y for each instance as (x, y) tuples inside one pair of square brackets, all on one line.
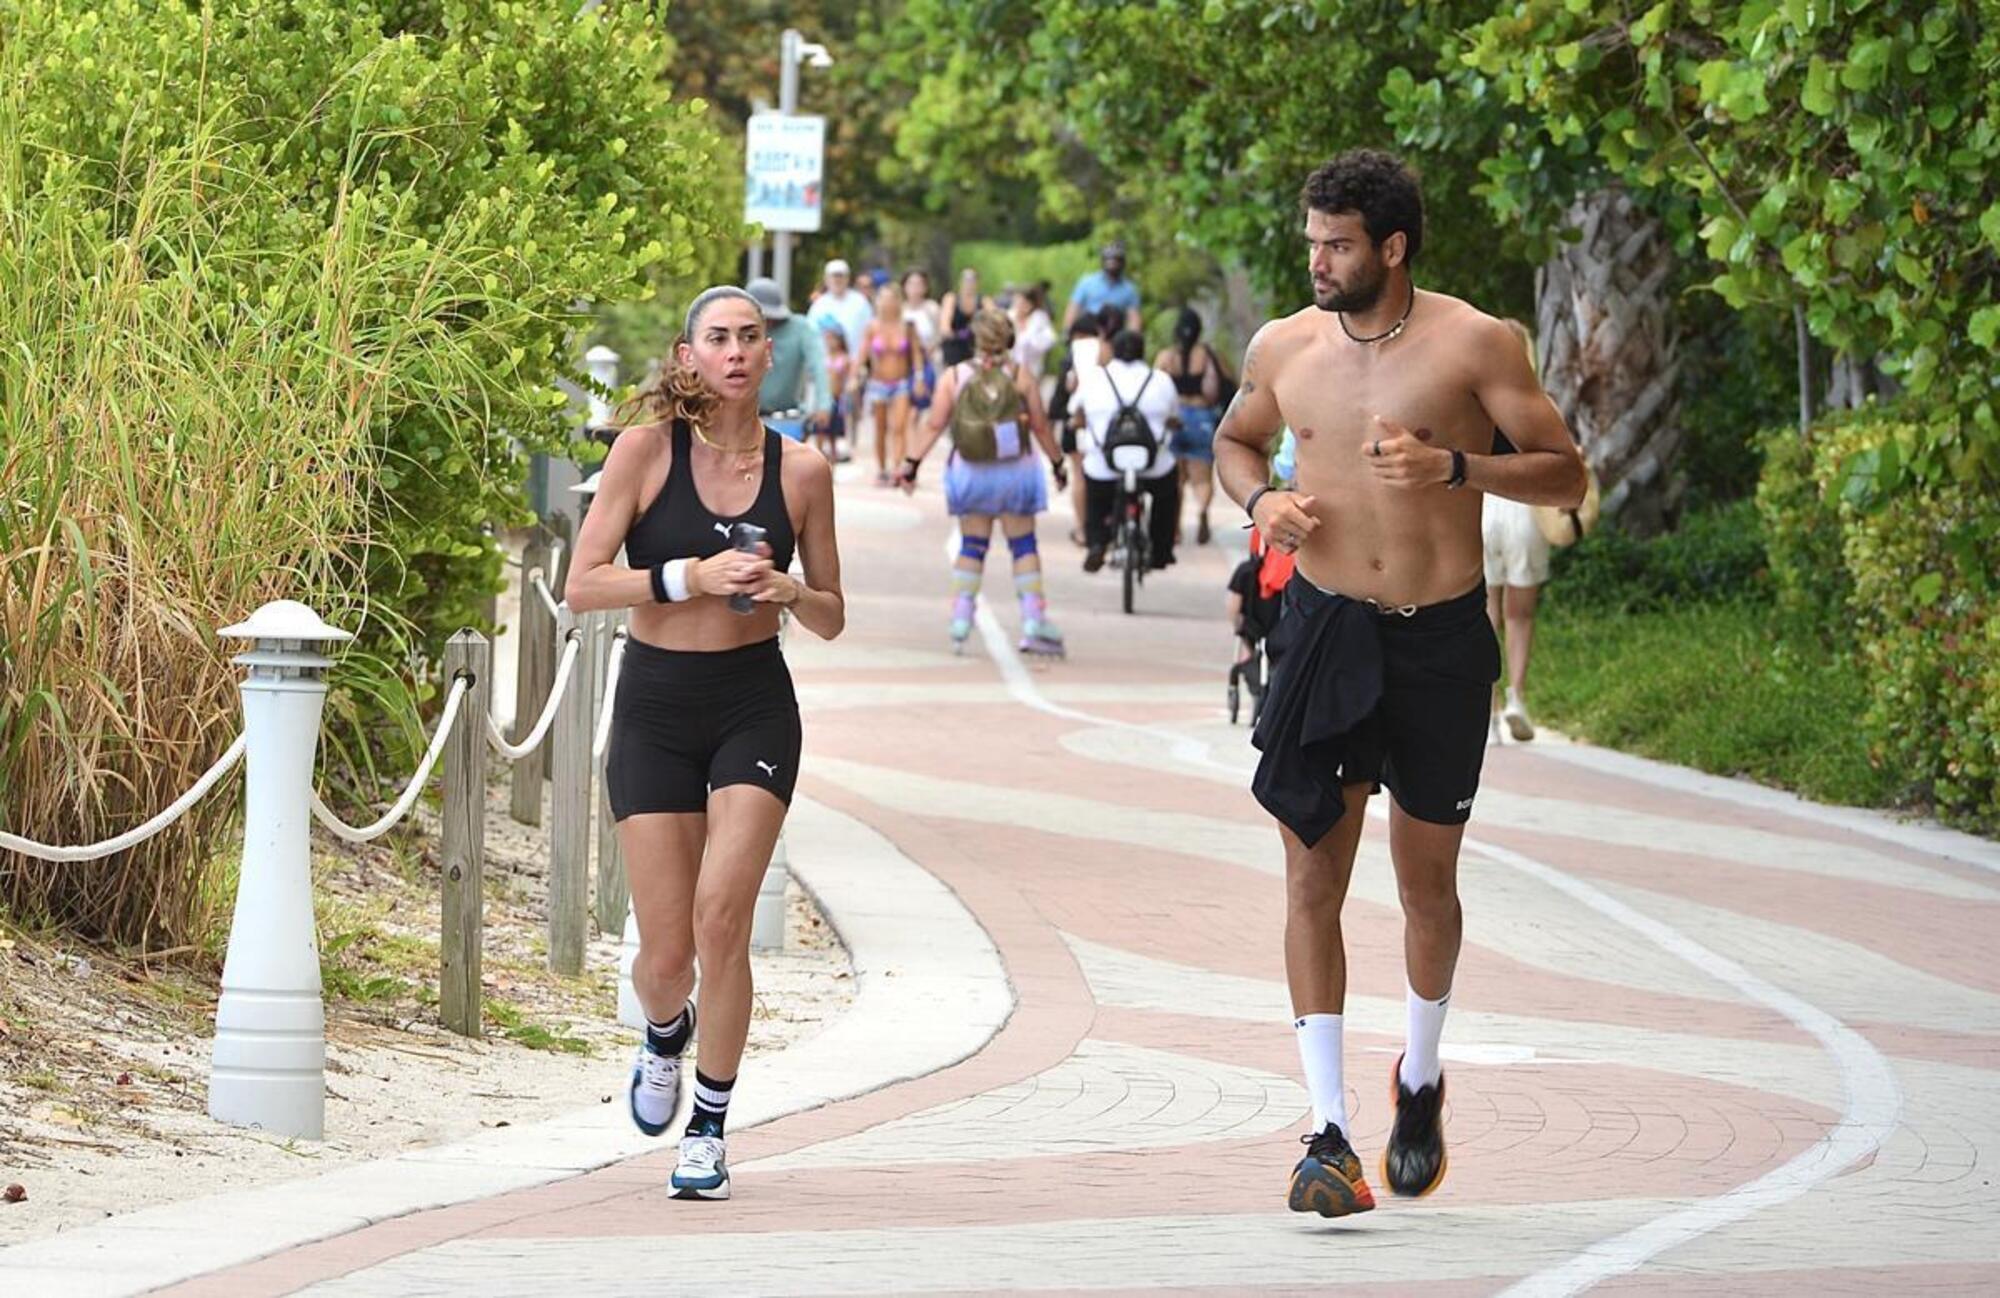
[(1127, 382)]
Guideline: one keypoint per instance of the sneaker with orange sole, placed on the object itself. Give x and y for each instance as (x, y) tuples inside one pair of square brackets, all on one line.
[(1328, 1179), (1413, 1162)]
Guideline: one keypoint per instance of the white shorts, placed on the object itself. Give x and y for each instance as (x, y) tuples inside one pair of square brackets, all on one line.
[(1516, 554)]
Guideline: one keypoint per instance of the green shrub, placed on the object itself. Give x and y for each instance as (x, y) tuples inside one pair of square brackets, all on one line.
[(287, 286), (1802, 538), (1715, 554), (1923, 558), (550, 128)]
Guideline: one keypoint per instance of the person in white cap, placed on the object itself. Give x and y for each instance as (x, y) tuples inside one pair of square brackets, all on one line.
[(841, 307)]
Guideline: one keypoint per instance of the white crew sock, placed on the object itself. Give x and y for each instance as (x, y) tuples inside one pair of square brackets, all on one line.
[(1319, 1051), (1420, 1057)]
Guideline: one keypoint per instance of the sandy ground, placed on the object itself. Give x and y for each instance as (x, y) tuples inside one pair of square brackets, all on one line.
[(104, 1064)]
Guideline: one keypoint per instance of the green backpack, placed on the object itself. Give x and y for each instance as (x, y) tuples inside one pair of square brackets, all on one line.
[(986, 417)]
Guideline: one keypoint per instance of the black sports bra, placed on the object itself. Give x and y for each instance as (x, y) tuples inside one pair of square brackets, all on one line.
[(678, 526)]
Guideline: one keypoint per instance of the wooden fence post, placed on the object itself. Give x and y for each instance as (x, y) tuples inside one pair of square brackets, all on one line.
[(613, 894), (462, 929), (569, 813), (535, 669)]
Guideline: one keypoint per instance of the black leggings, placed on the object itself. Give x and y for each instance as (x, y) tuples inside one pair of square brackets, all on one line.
[(1163, 519), (685, 723)]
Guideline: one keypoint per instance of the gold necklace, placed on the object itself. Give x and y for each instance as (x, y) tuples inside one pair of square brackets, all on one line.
[(746, 456)]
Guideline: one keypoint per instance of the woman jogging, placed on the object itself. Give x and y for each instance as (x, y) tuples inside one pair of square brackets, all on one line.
[(709, 505), (993, 473)]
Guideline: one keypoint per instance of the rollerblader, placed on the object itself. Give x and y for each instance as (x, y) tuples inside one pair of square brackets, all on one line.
[(992, 408)]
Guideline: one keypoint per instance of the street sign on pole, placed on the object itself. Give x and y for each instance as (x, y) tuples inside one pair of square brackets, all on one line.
[(783, 162)]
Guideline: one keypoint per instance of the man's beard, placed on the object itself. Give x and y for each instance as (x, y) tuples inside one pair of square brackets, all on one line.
[(1362, 297)]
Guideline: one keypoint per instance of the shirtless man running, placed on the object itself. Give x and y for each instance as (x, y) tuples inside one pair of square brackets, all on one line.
[(1384, 658)]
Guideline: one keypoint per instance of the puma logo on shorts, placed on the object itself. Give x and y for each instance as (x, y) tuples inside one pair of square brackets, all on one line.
[(772, 771)]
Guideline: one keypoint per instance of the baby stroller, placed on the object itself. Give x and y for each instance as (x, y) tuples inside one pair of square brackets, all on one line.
[(1258, 585)]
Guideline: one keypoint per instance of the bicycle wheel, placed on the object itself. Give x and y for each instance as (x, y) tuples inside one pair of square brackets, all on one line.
[(1133, 566)]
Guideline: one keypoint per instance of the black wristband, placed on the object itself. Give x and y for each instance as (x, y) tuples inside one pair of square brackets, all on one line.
[(1250, 505), (1457, 478), (910, 466), (659, 575)]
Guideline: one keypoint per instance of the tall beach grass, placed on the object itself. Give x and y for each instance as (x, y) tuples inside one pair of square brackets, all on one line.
[(194, 374)]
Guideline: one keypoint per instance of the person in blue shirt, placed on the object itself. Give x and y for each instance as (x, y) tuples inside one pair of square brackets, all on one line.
[(1105, 288)]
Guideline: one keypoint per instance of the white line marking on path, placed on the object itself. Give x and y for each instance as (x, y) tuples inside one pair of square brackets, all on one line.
[(1874, 1100)]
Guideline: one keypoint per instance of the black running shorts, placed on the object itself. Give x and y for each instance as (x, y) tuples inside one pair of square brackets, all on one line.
[(1425, 739), (686, 723)]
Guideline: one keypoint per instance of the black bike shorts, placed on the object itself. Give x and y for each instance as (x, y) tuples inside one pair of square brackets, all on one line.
[(1424, 734), (686, 723)]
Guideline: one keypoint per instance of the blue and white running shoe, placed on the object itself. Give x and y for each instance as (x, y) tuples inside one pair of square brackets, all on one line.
[(702, 1173), (655, 1090)]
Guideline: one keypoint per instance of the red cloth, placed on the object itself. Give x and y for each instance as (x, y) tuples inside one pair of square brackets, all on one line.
[(1274, 567)]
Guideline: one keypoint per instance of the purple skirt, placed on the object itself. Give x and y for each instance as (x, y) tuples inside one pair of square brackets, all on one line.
[(1016, 486)]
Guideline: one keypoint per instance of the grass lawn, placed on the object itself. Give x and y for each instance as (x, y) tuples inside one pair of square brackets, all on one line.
[(1713, 686)]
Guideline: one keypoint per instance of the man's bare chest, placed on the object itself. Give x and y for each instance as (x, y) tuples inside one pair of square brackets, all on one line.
[(1331, 401)]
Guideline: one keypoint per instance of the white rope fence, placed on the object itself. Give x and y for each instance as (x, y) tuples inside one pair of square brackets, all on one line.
[(540, 582), (403, 804), (139, 834), (515, 752), (617, 661)]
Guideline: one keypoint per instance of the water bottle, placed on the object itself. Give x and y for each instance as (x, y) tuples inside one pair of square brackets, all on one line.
[(746, 538)]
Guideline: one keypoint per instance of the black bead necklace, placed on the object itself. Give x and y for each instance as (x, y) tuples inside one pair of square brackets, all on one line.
[(1386, 334)]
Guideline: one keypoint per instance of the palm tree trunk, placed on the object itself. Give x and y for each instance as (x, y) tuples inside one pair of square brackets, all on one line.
[(1607, 354)]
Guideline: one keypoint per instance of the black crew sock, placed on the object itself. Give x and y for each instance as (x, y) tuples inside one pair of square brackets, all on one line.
[(711, 1105), (671, 1039)]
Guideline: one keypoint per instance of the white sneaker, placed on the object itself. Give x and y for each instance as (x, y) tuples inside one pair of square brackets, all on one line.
[(702, 1173), (1515, 714), (654, 1091), (1493, 728)]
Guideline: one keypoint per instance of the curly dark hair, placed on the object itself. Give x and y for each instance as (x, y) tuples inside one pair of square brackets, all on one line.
[(1376, 185)]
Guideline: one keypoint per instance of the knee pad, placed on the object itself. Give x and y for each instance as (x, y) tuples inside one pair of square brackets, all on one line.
[(1021, 547), (974, 548)]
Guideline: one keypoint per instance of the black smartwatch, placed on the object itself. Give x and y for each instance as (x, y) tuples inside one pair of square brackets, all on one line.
[(1457, 478)]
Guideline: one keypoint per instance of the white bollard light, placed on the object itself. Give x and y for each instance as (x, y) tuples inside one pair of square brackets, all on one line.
[(767, 921), (270, 1026), (629, 1012), (602, 363)]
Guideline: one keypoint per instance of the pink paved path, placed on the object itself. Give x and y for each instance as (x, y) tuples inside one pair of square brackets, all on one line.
[(1806, 1114)]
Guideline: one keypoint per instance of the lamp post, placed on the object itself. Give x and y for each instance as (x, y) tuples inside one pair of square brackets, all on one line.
[(792, 49), (602, 365), (269, 1068)]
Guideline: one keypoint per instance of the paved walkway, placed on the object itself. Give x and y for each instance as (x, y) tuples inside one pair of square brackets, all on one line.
[(1704, 1040)]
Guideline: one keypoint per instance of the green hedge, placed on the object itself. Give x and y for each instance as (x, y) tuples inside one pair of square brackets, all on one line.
[(1904, 570), (547, 129), (1714, 554)]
